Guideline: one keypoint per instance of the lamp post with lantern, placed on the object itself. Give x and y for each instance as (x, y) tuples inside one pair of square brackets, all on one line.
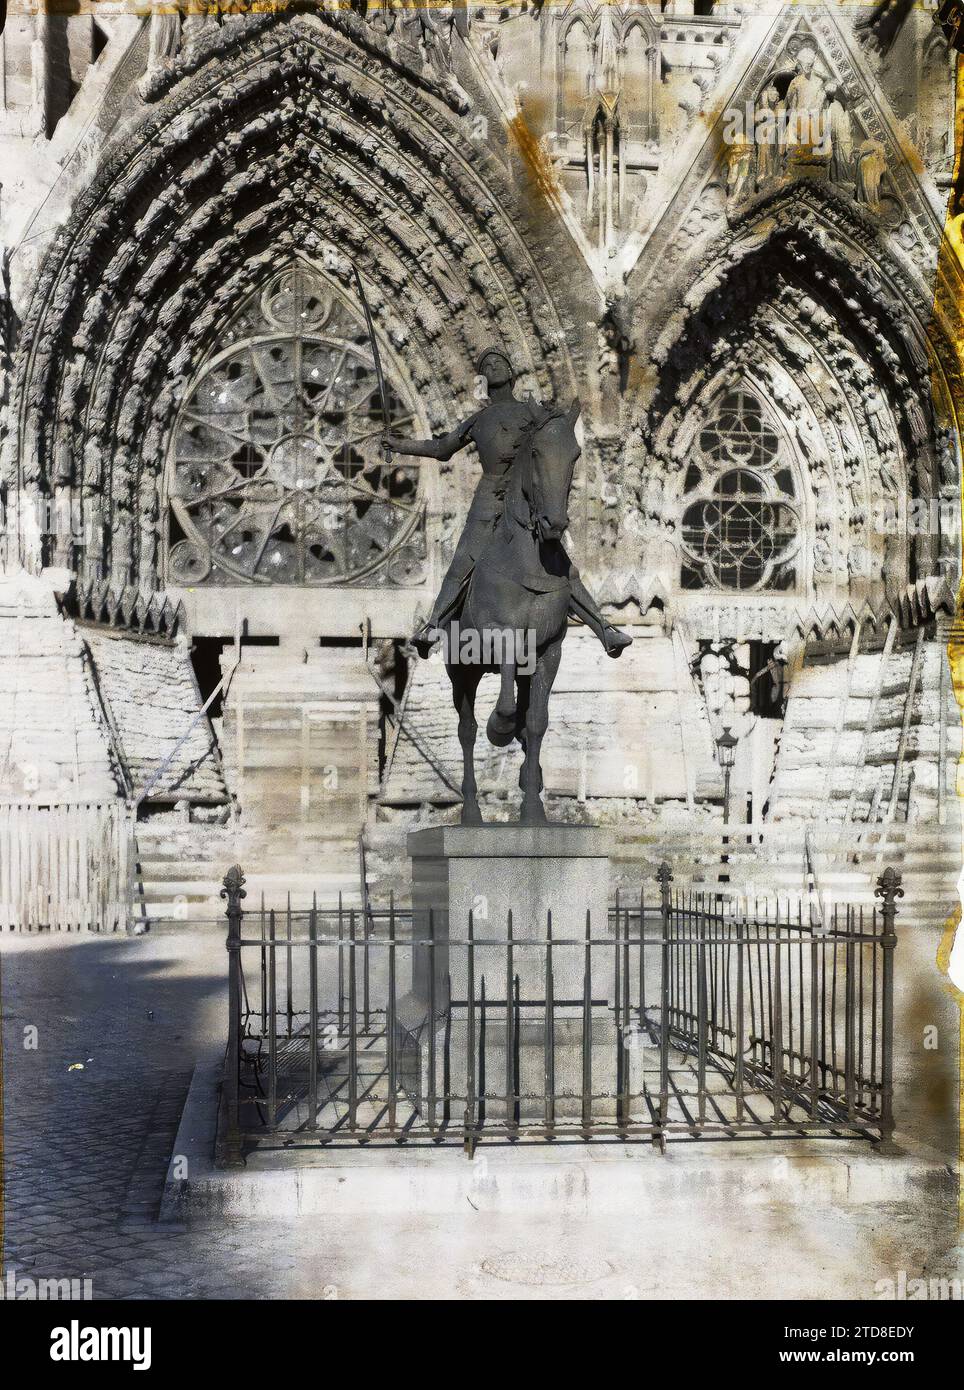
[(726, 753)]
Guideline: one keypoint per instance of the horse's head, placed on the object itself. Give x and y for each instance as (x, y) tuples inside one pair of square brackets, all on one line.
[(553, 453)]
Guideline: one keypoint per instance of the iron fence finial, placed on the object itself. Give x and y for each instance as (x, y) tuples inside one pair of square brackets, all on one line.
[(234, 889), (888, 886), (888, 889), (229, 1147)]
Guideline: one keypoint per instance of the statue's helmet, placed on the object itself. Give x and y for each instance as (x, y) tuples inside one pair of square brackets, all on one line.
[(496, 366)]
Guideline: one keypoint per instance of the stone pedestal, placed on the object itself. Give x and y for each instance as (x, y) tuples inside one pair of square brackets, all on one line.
[(489, 872), (492, 870)]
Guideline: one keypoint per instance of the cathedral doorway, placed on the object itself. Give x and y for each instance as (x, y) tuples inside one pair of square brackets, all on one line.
[(302, 764)]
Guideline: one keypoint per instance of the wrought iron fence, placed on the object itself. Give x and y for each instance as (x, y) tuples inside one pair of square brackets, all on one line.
[(689, 1016)]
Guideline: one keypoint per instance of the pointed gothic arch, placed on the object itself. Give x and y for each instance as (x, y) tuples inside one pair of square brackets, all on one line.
[(294, 142), (576, 45), (741, 509), (806, 291), (639, 45)]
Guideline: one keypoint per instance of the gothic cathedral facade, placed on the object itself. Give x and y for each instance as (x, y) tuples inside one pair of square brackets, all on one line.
[(723, 227)]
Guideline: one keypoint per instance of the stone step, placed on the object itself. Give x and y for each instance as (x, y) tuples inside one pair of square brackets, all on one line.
[(327, 886), (215, 869), (842, 876), (785, 844), (931, 903), (919, 862), (212, 909), (925, 908), (295, 836)]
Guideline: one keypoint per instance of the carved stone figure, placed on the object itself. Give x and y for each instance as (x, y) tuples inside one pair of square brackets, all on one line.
[(840, 136), (769, 153), (806, 100), (163, 43), (876, 413), (739, 169), (916, 419), (871, 167), (198, 23)]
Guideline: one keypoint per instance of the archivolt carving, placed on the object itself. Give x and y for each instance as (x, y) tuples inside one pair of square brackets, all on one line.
[(288, 145), (413, 41), (804, 293)]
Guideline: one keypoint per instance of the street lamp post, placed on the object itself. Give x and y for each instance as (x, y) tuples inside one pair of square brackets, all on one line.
[(726, 752)]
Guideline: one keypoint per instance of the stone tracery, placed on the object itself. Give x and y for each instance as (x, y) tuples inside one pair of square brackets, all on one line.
[(292, 150), (838, 336), (276, 474), (739, 527)]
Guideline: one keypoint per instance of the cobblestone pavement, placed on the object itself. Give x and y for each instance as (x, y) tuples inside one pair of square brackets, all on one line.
[(86, 1147), (86, 1153)]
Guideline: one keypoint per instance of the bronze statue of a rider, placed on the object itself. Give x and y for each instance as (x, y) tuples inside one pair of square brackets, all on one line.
[(497, 430)]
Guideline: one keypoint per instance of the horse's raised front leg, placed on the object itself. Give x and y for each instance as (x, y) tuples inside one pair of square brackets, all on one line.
[(465, 683), (537, 721), (501, 727)]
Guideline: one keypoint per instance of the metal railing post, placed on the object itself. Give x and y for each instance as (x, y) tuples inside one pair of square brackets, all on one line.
[(776, 1020), (587, 1033), (664, 878), (623, 1033), (816, 1057), (512, 1104), (390, 1020), (468, 1124), (550, 1034), (272, 1020), (701, 1019), (352, 1027), (229, 1146), (313, 1018), (888, 889), (432, 1065), (740, 1015)]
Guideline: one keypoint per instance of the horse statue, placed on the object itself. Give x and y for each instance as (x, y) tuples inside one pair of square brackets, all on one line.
[(521, 586)]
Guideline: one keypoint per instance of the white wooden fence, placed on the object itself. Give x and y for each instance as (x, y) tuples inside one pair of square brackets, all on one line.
[(65, 867)]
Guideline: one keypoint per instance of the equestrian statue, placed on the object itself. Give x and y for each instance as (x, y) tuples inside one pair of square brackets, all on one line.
[(510, 574)]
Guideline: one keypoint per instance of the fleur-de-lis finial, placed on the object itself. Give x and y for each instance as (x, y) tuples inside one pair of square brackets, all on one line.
[(888, 886), (234, 884)]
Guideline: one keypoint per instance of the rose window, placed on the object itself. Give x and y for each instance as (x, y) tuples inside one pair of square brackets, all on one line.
[(276, 473), (740, 524)]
